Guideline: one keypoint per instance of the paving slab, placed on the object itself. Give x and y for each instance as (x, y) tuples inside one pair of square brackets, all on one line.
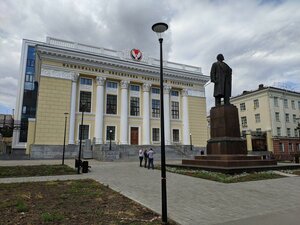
[(193, 200)]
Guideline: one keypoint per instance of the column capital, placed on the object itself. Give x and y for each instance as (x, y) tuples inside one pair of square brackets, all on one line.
[(167, 89), (146, 87), (185, 92), (75, 77), (125, 84), (100, 81)]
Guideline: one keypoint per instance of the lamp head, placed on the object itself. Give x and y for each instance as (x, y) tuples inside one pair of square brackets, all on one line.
[(160, 28)]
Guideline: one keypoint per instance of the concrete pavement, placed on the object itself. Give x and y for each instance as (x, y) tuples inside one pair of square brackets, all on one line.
[(192, 200)]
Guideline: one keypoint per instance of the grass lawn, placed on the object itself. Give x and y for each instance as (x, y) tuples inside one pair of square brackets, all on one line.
[(40, 170), (224, 178), (69, 202)]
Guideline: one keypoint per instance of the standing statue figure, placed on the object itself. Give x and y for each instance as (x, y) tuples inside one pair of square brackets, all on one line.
[(220, 74)]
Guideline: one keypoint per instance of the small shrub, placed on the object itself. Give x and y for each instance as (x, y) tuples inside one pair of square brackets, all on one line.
[(21, 206)]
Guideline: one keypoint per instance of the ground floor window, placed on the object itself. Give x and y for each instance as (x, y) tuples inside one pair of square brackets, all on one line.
[(281, 147), (155, 134), (85, 132), (110, 133), (175, 135)]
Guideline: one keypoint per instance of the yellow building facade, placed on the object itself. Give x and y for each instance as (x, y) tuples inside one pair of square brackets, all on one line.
[(119, 95)]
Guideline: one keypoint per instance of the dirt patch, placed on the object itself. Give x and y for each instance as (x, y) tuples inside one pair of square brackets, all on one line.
[(70, 202)]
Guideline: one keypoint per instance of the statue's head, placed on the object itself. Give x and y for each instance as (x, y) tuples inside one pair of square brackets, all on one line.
[(220, 57)]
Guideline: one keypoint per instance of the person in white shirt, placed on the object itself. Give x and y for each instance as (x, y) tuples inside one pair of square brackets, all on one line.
[(150, 158), (141, 155)]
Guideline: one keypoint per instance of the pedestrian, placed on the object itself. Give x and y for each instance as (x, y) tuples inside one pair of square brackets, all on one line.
[(145, 157), (141, 153), (150, 158)]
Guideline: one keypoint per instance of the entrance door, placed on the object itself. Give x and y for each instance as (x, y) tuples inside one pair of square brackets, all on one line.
[(134, 140)]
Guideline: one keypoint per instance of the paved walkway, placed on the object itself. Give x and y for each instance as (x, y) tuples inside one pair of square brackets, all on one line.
[(192, 200)]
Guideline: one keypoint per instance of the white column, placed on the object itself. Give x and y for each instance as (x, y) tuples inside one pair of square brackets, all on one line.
[(146, 114), (100, 81), (167, 114), (185, 118), (73, 110), (124, 113)]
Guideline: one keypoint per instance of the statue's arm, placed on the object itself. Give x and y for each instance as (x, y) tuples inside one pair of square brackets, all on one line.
[(213, 73)]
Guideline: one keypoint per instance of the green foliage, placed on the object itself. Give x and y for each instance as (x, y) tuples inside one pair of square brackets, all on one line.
[(52, 217), (21, 206)]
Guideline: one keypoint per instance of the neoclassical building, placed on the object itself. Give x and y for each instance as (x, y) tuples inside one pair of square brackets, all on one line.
[(119, 91)]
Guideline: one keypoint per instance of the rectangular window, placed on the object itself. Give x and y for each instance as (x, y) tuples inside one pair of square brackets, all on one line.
[(257, 118), (281, 147), (244, 121), (296, 132), (175, 135), (298, 147), (276, 102), (287, 117), (288, 132), (299, 105), (291, 149), (277, 116), (175, 110), (85, 101), (85, 132), (134, 106), (86, 81), (111, 84), (174, 93), (242, 106), (293, 104), (155, 134), (278, 131), (285, 103), (256, 103), (155, 90), (110, 133), (155, 108), (134, 87), (111, 104), (258, 131), (294, 118)]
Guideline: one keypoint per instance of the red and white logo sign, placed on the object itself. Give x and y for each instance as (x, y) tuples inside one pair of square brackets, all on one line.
[(136, 54)]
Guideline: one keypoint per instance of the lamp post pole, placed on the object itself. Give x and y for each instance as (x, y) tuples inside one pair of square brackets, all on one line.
[(80, 138), (64, 148), (110, 132), (191, 142), (159, 28)]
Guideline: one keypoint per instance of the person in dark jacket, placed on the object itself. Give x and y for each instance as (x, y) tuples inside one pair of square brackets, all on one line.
[(145, 157), (220, 75)]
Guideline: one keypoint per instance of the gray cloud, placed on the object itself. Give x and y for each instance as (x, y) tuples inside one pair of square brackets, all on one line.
[(258, 38)]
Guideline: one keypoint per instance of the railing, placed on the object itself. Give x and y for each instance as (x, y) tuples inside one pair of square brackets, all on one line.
[(119, 54)]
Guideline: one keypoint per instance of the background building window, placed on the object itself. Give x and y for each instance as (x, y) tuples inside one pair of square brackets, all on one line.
[(112, 133), (278, 131), (277, 116), (291, 149), (155, 90), (174, 93), (258, 131), (285, 103), (276, 101), (111, 84), (257, 118), (85, 99), (134, 87), (134, 106), (296, 131), (155, 134), (175, 110), (287, 117), (175, 135), (256, 103), (85, 81), (242, 106), (111, 104), (299, 105), (288, 132), (293, 104), (244, 121), (85, 132), (155, 108), (281, 147)]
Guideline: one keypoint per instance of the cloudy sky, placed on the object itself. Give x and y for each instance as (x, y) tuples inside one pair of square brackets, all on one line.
[(259, 38)]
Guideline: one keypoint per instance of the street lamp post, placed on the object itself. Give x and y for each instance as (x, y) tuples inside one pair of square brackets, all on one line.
[(191, 142), (64, 148), (110, 133), (159, 29), (82, 106)]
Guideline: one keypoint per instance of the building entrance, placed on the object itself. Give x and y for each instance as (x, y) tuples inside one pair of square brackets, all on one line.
[(134, 136)]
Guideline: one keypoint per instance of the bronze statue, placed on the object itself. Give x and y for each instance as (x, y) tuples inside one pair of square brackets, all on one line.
[(220, 74)]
